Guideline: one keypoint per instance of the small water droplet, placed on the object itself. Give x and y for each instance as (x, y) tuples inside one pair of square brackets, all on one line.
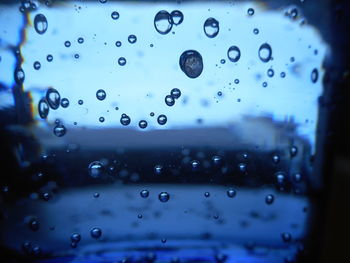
[(191, 63), (100, 94), (80, 102), (163, 197), (293, 151), (250, 11), (139, 216), (125, 119), (163, 240), (256, 31), (34, 224), (283, 74), (169, 100), (64, 103), (132, 39), (118, 43), (144, 193), (80, 40), (115, 15), (222, 61), (207, 194), (195, 165), (96, 195), (40, 24), (217, 160), (162, 119), (297, 177), (59, 130), (265, 52), (19, 75), (211, 27), (53, 98), (233, 53), (236, 81), (231, 193), (121, 61), (49, 58), (270, 72), (175, 93), (43, 108), (158, 169), (96, 232), (101, 119), (275, 158), (286, 237), (264, 84), (176, 17), (242, 167), (75, 237), (67, 43), (37, 65), (269, 199), (143, 124), (163, 22), (96, 169), (314, 75)]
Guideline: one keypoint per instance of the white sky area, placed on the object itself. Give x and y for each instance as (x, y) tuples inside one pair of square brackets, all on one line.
[(150, 73)]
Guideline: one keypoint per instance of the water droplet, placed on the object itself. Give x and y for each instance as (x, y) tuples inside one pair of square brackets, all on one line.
[(139, 216), (43, 108), (144, 193), (96, 232), (195, 165), (191, 63), (101, 119), (163, 197), (76, 56), (293, 151), (217, 160), (96, 195), (75, 237), (40, 24), (37, 65), (169, 100), (233, 53), (125, 119), (95, 169), (250, 11), (269, 199), (64, 103), (19, 75), (256, 31), (132, 39), (265, 52), (220, 258), (297, 177), (121, 61), (36, 250), (115, 15), (231, 193), (242, 167), (80, 40), (236, 81), (275, 158), (270, 72), (46, 196), (158, 169), (143, 124), (211, 27), (53, 98), (280, 180), (175, 93), (118, 43), (176, 17), (80, 102), (162, 119), (283, 74), (151, 114), (286, 237), (207, 194), (314, 75), (100, 94), (49, 58), (264, 84), (222, 61), (163, 22), (34, 224), (59, 130), (163, 240), (67, 43)]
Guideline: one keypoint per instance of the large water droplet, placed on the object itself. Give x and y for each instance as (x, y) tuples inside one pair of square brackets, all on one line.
[(100, 94), (265, 52), (143, 124), (59, 130), (125, 119), (121, 61), (164, 197), (191, 63), (40, 24), (211, 27), (163, 22), (96, 232), (115, 15), (234, 53), (175, 93), (96, 169), (176, 17), (132, 39), (53, 98), (43, 108), (162, 119)]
